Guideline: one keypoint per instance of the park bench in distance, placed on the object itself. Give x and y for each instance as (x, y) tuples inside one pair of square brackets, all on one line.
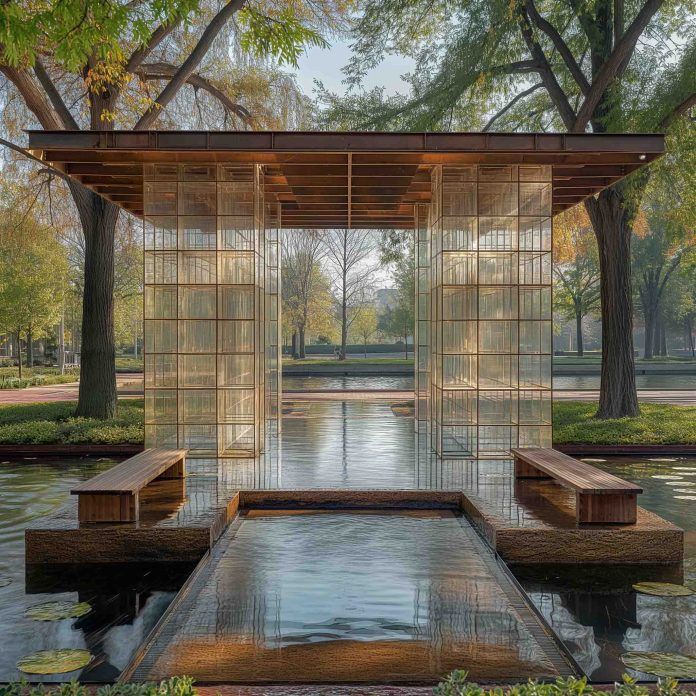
[(601, 498), (113, 496)]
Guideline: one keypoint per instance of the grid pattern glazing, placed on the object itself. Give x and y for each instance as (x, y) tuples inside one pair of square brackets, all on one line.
[(205, 308), (489, 309)]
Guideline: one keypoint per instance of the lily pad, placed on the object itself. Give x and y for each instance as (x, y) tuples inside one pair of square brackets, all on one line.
[(54, 661), (662, 589), (661, 459), (55, 611), (666, 477), (591, 459), (692, 491), (680, 483), (685, 497), (661, 664)]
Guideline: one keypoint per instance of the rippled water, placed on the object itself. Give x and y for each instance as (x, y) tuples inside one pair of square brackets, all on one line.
[(348, 382), (350, 597), (591, 382), (597, 613), (126, 601)]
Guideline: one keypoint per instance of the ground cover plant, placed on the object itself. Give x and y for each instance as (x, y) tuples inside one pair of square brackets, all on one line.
[(176, 686), (55, 423), (657, 424), (36, 377), (457, 684)]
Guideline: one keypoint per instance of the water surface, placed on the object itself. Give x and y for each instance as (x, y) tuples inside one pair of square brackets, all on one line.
[(126, 600), (596, 612)]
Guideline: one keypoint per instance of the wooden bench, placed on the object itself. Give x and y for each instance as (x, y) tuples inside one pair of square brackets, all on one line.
[(601, 498), (113, 496)]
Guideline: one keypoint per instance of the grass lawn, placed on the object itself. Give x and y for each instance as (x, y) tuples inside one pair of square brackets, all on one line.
[(348, 361), (658, 424), (128, 364), (50, 423), (54, 423)]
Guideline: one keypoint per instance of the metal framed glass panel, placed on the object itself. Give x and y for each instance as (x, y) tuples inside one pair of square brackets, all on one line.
[(211, 309), (486, 293)]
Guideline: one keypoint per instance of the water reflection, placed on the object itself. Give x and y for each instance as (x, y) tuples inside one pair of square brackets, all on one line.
[(596, 612), (350, 597), (126, 600)]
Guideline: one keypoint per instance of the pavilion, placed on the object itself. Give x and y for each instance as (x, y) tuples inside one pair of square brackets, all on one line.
[(214, 205)]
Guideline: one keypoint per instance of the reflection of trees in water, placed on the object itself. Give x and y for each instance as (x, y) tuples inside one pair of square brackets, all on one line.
[(580, 638), (665, 624)]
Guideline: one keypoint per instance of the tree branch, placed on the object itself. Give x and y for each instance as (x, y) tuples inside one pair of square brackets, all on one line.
[(34, 98), (53, 94), (162, 71), (561, 46), (512, 103), (141, 53), (556, 93), (678, 111), (190, 64), (617, 61)]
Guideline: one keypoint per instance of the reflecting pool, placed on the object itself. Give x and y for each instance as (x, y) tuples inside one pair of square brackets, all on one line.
[(125, 601), (349, 597), (597, 613)]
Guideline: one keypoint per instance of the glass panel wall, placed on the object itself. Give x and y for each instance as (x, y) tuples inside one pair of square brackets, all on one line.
[(206, 301), (422, 317), (489, 309)]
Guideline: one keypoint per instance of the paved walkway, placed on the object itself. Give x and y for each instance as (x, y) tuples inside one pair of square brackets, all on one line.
[(130, 386)]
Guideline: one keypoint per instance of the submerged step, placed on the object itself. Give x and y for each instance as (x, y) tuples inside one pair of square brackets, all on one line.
[(371, 597)]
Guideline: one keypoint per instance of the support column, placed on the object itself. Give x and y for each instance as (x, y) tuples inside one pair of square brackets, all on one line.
[(205, 308), (422, 319), (490, 309)]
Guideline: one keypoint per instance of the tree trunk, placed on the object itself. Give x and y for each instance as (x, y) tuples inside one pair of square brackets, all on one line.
[(19, 355), (578, 334), (97, 393), (30, 349), (365, 346), (617, 395), (294, 345), (663, 337), (303, 353), (692, 346), (649, 317), (344, 300)]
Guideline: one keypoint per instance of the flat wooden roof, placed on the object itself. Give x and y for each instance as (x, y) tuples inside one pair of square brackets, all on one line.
[(342, 179)]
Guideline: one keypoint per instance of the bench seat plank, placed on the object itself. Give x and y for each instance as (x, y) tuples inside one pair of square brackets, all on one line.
[(575, 474), (133, 474), (600, 497)]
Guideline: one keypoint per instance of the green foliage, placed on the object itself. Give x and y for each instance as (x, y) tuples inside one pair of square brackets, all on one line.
[(658, 424), (175, 686), (35, 377), (283, 36), (457, 684), (54, 423), (76, 31)]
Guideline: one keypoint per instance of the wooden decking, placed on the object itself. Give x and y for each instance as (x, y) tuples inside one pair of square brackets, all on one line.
[(601, 498), (113, 496)]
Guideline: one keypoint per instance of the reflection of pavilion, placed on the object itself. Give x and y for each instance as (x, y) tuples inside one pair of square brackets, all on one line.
[(214, 205)]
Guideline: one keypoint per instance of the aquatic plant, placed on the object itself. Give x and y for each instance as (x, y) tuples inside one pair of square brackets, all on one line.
[(54, 661), (56, 611)]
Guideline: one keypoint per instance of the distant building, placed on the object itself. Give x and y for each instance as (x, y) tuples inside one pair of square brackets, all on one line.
[(386, 298)]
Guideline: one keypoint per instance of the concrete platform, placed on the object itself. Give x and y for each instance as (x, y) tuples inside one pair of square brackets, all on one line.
[(171, 529), (533, 522)]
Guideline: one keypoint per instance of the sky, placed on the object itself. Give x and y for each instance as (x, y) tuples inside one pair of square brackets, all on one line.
[(325, 64)]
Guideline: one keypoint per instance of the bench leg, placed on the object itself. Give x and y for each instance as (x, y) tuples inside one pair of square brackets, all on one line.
[(108, 508), (524, 470), (175, 471), (611, 508)]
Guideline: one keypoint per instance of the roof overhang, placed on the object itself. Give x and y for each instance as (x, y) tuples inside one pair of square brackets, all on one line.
[(342, 179)]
